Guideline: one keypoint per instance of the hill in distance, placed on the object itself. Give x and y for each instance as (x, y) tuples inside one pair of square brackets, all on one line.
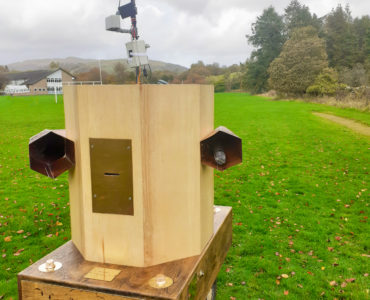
[(77, 65)]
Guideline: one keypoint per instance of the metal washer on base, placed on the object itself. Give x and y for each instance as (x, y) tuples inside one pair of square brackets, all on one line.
[(50, 266)]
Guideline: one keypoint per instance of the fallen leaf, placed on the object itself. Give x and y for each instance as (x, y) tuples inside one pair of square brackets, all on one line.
[(49, 235), (330, 249), (338, 238), (59, 223), (8, 239), (20, 231), (333, 283), (18, 252), (286, 293), (300, 285), (277, 282), (343, 285), (366, 274), (350, 279), (285, 275)]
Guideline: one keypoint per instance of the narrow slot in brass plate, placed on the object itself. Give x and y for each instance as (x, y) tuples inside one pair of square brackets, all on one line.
[(111, 176)]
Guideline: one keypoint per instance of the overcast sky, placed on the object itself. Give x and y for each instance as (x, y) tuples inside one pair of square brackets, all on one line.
[(179, 31)]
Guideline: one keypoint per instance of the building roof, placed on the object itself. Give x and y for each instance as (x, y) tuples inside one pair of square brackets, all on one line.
[(32, 77)]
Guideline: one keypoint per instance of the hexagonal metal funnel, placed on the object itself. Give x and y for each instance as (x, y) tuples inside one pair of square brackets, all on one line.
[(51, 153), (221, 149)]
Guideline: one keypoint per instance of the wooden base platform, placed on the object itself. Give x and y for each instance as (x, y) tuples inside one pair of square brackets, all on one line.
[(192, 277)]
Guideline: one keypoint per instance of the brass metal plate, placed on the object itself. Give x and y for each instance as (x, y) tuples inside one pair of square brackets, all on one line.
[(111, 176), (102, 274)]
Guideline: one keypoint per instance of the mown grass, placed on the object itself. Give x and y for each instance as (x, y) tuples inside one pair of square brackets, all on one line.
[(300, 199)]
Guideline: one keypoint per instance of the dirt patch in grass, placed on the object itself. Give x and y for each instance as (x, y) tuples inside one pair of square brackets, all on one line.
[(355, 126)]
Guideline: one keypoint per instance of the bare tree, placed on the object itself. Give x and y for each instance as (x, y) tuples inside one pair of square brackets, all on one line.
[(54, 65), (3, 81), (4, 69), (120, 73)]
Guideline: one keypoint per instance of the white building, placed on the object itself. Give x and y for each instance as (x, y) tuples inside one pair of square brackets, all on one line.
[(39, 82)]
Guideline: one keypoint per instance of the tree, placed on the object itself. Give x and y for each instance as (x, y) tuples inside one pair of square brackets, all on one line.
[(194, 77), (303, 57), (94, 75), (220, 85), (3, 81), (54, 65), (297, 16), (326, 83), (120, 73), (340, 38), (268, 37), (215, 69), (4, 69), (354, 77), (361, 28), (199, 69)]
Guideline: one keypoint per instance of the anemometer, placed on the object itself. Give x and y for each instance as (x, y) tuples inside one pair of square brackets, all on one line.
[(136, 49)]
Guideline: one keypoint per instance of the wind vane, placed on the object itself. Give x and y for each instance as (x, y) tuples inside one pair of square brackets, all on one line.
[(136, 49)]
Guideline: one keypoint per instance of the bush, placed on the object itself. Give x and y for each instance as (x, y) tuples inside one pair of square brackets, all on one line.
[(326, 84), (354, 77), (303, 57), (220, 86)]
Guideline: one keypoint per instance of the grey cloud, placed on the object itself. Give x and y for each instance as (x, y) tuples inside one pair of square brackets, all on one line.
[(179, 31)]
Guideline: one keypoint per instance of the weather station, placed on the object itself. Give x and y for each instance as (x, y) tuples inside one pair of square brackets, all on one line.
[(141, 162), (136, 49)]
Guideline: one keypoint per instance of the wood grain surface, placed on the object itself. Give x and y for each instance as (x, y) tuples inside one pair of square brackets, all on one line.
[(172, 191), (132, 282)]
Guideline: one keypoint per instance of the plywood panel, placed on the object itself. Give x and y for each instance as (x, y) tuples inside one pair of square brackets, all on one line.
[(173, 192), (75, 180), (172, 121), (111, 112), (206, 173), (40, 291)]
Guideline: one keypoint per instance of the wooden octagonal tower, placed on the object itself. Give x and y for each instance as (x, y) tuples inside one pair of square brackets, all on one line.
[(139, 194)]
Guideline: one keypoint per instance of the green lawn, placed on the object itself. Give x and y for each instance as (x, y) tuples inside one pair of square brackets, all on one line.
[(300, 199)]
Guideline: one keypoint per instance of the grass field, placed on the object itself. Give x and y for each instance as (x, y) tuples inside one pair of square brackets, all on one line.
[(300, 199)]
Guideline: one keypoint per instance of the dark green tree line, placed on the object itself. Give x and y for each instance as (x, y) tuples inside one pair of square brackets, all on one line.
[(346, 41), (302, 59), (268, 37)]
